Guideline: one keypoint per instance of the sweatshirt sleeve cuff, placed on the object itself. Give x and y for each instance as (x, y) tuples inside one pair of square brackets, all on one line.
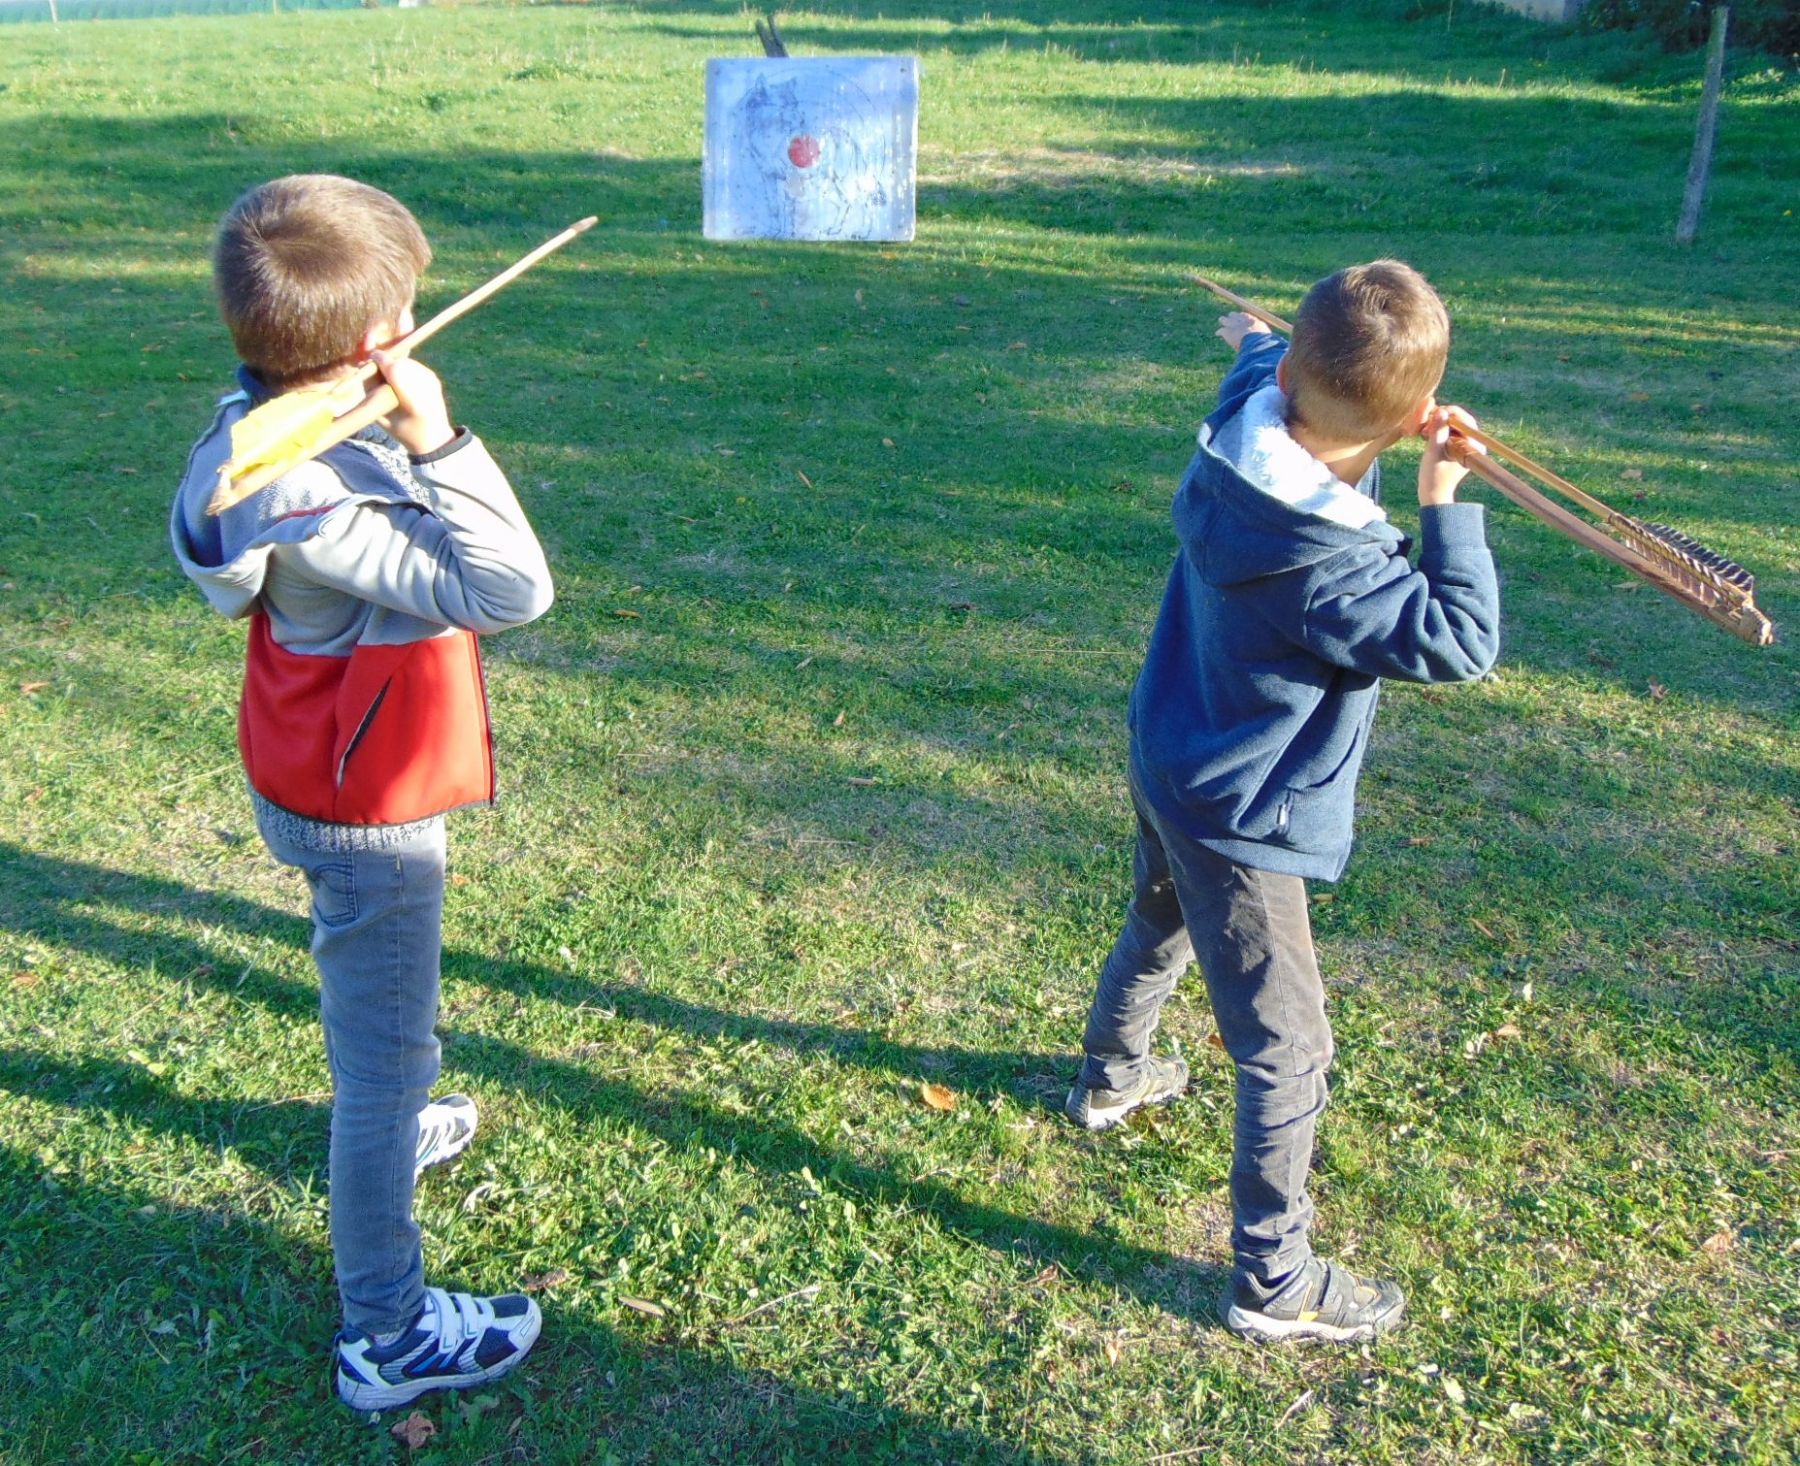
[(1454, 525), (462, 440)]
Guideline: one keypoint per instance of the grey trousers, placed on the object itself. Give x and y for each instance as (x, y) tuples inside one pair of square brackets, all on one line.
[(377, 918), (1250, 933)]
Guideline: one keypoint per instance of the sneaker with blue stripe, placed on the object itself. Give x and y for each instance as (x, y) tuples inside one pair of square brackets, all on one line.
[(458, 1341)]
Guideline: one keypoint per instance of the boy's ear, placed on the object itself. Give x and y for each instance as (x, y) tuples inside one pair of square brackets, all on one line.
[(376, 336), (382, 333), (1281, 372)]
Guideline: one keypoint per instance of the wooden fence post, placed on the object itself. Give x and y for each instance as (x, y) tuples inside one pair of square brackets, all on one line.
[(1700, 165)]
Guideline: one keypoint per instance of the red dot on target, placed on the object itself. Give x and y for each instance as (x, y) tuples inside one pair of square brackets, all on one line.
[(803, 151)]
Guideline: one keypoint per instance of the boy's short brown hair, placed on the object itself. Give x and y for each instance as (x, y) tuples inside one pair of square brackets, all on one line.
[(304, 265), (1370, 343)]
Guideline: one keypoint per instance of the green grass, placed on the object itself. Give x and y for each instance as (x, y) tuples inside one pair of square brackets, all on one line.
[(697, 965)]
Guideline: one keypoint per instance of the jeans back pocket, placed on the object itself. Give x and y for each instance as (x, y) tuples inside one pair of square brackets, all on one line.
[(333, 885)]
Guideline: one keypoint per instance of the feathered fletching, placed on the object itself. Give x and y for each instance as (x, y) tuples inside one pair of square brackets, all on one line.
[(282, 432)]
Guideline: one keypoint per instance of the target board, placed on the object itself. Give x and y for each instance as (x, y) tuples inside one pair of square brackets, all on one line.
[(811, 148)]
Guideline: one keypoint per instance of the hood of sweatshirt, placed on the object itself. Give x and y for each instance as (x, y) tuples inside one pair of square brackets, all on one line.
[(1255, 503), (227, 555)]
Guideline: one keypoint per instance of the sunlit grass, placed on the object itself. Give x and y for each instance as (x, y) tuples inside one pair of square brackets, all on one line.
[(840, 809)]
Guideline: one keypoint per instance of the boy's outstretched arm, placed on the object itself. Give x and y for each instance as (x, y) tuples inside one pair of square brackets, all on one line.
[(1236, 325), (1259, 352)]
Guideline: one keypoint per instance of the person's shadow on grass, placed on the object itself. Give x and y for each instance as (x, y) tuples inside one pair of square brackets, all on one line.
[(134, 1320), (63, 903)]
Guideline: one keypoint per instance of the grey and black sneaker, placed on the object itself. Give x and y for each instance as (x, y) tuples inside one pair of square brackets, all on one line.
[(1100, 1109), (1322, 1300)]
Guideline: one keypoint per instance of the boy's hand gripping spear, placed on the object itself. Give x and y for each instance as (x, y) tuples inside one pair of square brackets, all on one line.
[(1701, 579), (300, 425)]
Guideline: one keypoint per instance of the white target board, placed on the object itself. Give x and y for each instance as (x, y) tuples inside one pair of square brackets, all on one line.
[(814, 147)]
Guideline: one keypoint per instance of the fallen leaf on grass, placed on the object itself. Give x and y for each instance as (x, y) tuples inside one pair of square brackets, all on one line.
[(1657, 691), (887, 442), (1640, 396), (30, 687), (1112, 1351), (644, 1306), (838, 722), (473, 1409), (23, 979), (1455, 1391), (1632, 473), (1044, 1279), (1509, 1030), (1720, 1242), (457, 878), (415, 1430), (938, 1097), (624, 615), (1418, 840), (803, 478), (1482, 927), (543, 1281), (1217, 1040), (862, 783)]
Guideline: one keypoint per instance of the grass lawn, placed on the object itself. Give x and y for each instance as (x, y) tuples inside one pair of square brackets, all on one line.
[(814, 785)]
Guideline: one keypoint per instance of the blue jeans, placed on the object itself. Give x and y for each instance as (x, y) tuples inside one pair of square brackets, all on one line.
[(377, 928), (1250, 932)]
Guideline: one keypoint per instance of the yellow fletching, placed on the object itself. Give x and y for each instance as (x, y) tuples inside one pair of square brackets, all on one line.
[(284, 426)]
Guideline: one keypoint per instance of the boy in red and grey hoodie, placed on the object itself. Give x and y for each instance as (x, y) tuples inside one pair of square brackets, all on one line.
[(366, 576)]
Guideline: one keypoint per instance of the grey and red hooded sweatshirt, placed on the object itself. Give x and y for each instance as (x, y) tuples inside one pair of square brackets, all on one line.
[(366, 576)]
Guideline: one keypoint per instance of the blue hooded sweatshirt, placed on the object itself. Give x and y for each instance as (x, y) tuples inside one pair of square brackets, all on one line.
[(1252, 712)]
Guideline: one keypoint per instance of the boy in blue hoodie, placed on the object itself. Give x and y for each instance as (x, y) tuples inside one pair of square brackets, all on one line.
[(1291, 598)]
